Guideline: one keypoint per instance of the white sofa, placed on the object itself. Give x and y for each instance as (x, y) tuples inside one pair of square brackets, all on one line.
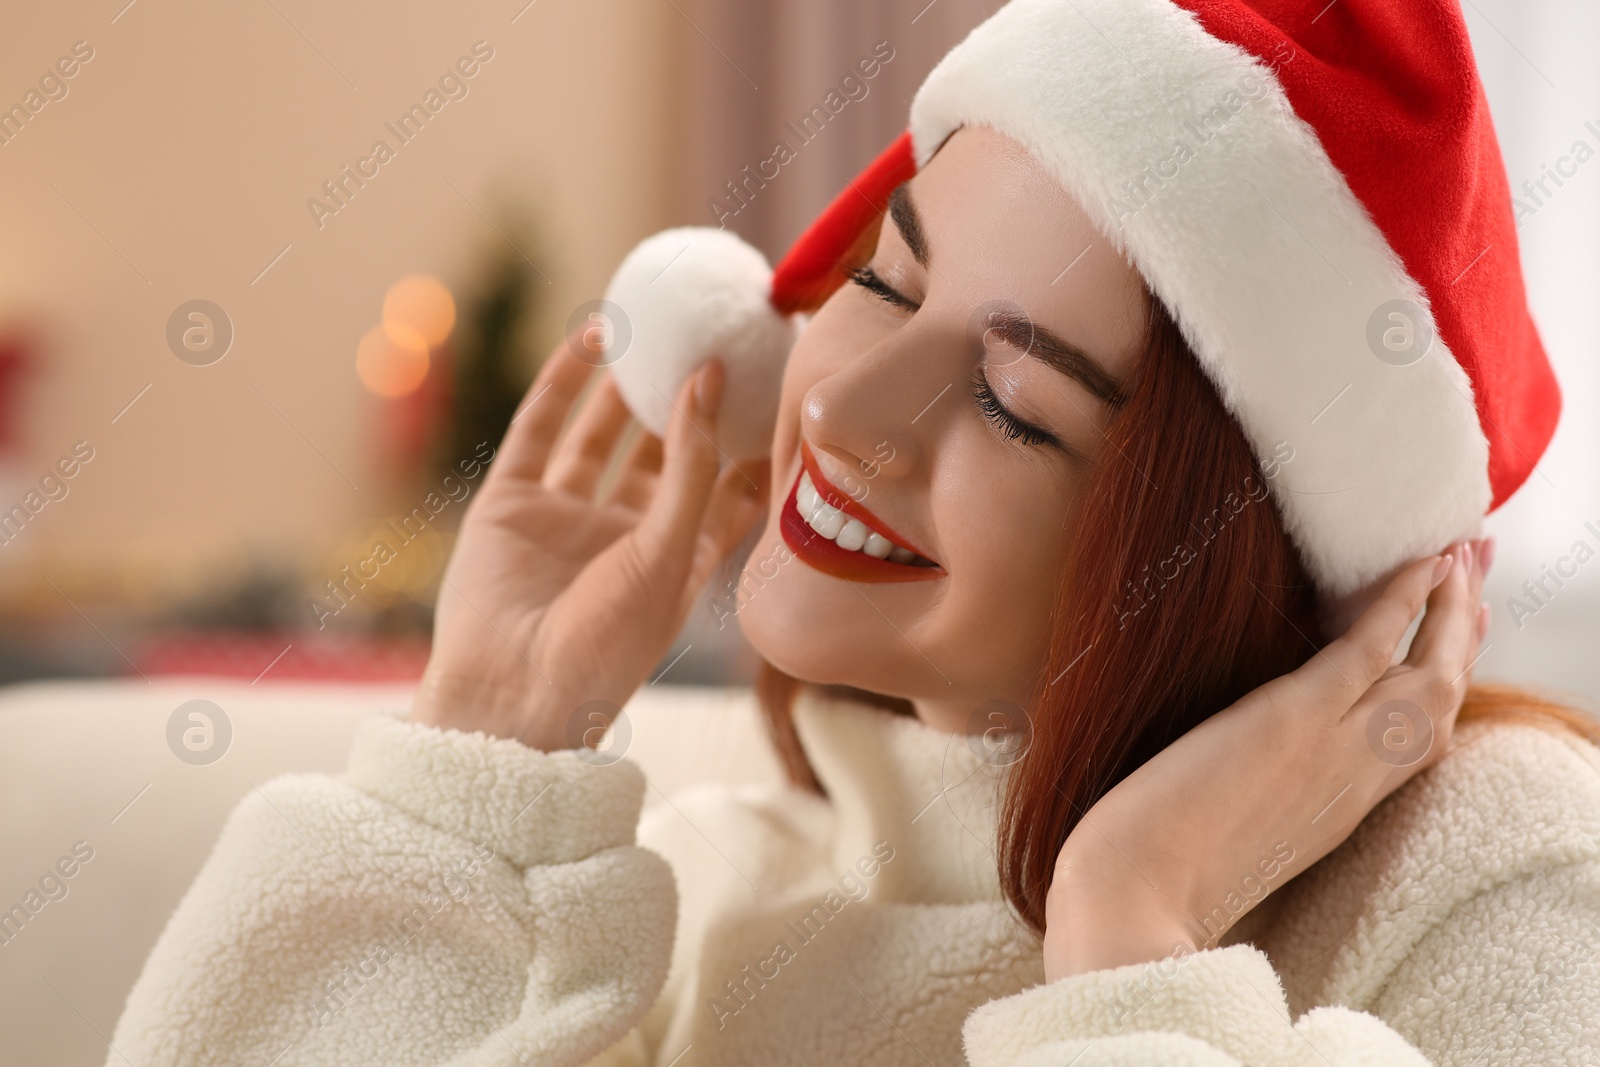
[(90, 762)]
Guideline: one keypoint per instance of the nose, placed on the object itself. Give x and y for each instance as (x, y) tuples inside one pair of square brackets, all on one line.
[(876, 414)]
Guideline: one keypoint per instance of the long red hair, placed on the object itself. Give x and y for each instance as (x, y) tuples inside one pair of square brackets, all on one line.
[(1182, 592)]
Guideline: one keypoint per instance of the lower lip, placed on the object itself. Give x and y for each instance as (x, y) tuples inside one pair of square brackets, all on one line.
[(827, 557)]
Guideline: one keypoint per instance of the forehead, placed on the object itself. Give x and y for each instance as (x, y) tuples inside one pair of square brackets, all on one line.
[(999, 226)]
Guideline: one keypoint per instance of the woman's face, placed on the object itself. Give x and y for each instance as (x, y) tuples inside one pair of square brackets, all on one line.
[(952, 400)]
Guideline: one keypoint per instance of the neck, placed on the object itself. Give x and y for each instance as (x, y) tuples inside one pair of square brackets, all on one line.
[(950, 716), (976, 712)]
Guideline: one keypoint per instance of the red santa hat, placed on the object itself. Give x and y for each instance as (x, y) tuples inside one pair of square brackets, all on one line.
[(1315, 193)]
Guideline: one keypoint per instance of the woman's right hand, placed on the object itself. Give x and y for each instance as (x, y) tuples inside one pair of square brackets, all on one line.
[(556, 596)]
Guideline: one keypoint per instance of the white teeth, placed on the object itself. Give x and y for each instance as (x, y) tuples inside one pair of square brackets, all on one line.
[(847, 533), (820, 515), (853, 536), (827, 521), (806, 497)]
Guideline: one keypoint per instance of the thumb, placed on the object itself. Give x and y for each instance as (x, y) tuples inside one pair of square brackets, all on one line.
[(670, 526)]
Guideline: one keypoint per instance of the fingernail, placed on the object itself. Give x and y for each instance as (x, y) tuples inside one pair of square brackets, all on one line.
[(1486, 560), (1466, 555), (1442, 568), (1483, 618)]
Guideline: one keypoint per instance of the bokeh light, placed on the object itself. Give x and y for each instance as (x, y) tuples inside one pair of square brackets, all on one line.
[(421, 304), (392, 360)]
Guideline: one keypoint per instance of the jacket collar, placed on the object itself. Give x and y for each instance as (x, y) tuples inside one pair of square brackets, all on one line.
[(929, 795)]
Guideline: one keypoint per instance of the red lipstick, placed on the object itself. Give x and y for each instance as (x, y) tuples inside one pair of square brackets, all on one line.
[(826, 556)]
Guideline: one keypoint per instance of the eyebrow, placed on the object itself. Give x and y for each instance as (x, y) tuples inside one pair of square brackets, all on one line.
[(909, 223), (1028, 337)]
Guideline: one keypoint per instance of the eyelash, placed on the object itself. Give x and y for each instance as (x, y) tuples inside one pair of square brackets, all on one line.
[(997, 413), (988, 404), (868, 279)]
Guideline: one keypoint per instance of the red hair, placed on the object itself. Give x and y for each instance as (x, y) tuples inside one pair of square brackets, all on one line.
[(1182, 592)]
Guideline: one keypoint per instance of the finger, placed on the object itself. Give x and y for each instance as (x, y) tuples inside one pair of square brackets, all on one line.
[(543, 410), (739, 491), (1443, 641), (1482, 556), (636, 481), (671, 524), (1364, 653), (1476, 649), (1461, 681), (583, 453), (1479, 632), (738, 500)]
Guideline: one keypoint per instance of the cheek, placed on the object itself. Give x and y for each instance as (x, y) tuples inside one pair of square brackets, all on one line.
[(786, 433), (1006, 544)]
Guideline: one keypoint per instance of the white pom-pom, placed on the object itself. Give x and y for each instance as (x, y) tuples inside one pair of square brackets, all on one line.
[(690, 294)]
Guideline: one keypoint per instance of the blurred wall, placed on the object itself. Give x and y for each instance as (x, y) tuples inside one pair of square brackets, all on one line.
[(180, 160), (766, 71), (179, 165), (1544, 93)]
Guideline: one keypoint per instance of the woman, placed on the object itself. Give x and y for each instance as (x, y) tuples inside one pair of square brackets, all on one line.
[(1052, 537)]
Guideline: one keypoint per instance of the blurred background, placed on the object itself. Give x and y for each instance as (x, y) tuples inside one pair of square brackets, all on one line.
[(382, 326), (241, 344), (361, 335)]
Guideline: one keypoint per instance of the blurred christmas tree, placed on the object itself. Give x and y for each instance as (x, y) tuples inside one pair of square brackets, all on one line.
[(476, 339), (493, 360)]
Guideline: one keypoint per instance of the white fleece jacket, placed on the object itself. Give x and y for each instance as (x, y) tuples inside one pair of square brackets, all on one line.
[(454, 899)]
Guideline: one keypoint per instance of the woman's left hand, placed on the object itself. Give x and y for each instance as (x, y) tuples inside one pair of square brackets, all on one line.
[(1180, 849)]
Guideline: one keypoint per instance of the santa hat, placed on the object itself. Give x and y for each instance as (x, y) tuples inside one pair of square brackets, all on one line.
[(1316, 195)]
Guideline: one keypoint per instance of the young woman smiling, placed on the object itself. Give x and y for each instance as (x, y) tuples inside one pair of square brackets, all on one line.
[(1087, 645)]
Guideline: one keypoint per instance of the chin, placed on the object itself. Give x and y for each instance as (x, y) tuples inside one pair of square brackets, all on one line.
[(799, 621), (800, 600)]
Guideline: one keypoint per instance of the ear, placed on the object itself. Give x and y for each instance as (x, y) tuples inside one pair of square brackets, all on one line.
[(686, 295)]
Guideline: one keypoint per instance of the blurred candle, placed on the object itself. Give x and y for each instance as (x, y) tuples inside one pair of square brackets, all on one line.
[(392, 360), (421, 305)]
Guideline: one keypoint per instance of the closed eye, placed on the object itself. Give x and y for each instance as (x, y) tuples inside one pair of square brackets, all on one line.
[(1009, 424), (869, 280)]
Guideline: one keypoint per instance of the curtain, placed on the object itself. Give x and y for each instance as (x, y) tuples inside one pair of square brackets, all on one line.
[(760, 75)]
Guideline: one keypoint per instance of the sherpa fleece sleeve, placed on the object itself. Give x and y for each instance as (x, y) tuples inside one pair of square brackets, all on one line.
[(1215, 1008), (1490, 958), (1511, 970), (452, 899)]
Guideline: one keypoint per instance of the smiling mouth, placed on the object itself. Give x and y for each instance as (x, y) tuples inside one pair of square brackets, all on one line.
[(838, 536)]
